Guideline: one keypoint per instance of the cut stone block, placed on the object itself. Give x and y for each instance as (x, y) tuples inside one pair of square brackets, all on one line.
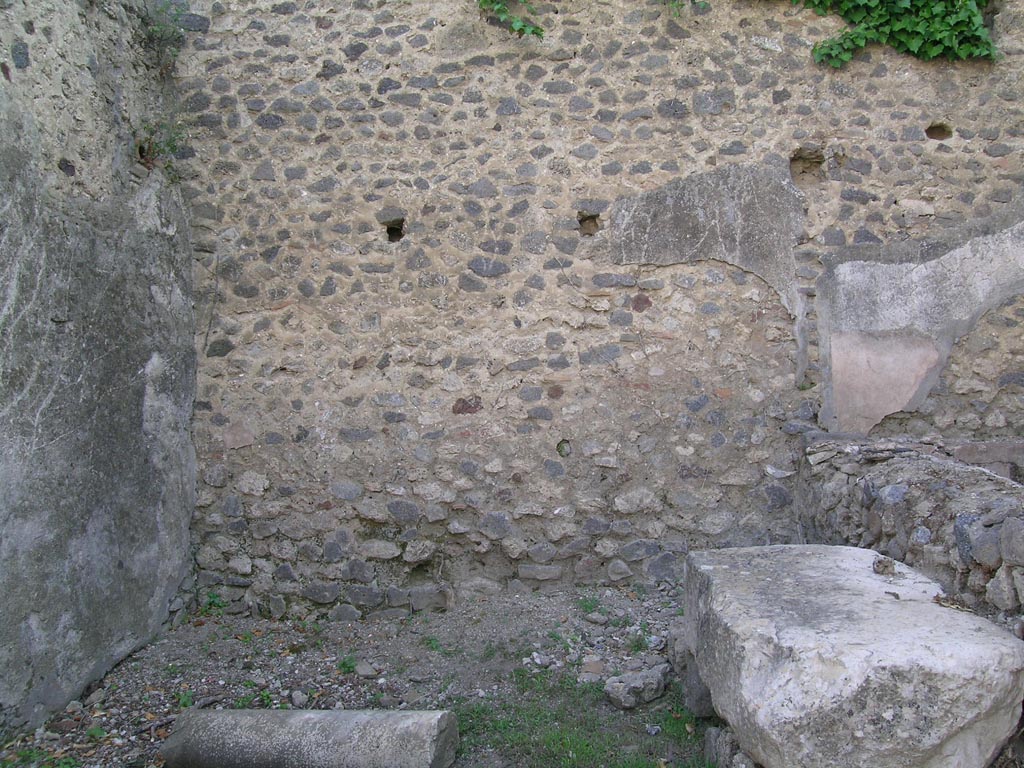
[(312, 739), (816, 661)]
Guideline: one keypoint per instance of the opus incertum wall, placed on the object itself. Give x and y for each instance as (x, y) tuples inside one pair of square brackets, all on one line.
[(475, 310)]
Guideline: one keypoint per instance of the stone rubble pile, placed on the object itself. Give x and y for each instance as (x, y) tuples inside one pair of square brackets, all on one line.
[(913, 501)]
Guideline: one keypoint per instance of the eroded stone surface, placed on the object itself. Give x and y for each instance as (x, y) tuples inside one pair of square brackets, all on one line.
[(815, 660), (912, 501), (312, 739), (97, 368), (635, 688)]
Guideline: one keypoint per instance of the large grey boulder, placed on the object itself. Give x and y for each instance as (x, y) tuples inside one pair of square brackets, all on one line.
[(263, 738), (816, 660), (97, 381)]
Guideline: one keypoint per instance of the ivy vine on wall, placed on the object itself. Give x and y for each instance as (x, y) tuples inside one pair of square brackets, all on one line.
[(927, 29), (516, 24)]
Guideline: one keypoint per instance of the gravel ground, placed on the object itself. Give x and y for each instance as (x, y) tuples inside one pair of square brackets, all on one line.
[(424, 661), (470, 653)]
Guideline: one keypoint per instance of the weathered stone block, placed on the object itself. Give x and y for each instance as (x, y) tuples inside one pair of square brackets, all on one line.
[(539, 572), (312, 739), (1001, 590), (97, 380), (793, 639), (379, 549)]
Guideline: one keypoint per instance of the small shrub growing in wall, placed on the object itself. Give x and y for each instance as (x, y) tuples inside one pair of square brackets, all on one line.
[(163, 34), (158, 143), (516, 24)]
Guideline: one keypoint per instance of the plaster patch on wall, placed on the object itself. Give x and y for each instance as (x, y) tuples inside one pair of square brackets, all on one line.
[(874, 376), (888, 329), (750, 216)]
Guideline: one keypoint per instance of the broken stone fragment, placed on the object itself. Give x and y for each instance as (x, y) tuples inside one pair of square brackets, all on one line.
[(419, 551), (635, 688)]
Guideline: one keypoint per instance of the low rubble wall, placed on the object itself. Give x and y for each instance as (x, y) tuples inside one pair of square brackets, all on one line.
[(916, 502)]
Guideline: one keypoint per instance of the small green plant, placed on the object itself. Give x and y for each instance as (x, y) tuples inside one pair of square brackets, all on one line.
[(95, 734), (927, 29), (260, 698), (435, 645), (677, 722), (676, 6), (490, 650), (680, 725), (517, 25), (588, 604), (311, 627), (347, 664), (214, 605), (563, 641), (163, 34), (37, 758), (247, 637), (156, 147), (639, 643), (185, 699)]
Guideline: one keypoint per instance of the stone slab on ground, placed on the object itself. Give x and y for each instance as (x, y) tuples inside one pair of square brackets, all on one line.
[(312, 739), (816, 660)]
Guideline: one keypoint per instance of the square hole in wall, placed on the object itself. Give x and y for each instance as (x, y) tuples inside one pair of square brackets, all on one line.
[(590, 223), (395, 229)]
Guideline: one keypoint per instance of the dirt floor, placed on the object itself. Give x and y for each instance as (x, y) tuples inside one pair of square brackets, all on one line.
[(524, 674)]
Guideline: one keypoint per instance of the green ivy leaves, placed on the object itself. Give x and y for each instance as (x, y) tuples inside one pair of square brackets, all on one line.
[(927, 29), (516, 24)]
